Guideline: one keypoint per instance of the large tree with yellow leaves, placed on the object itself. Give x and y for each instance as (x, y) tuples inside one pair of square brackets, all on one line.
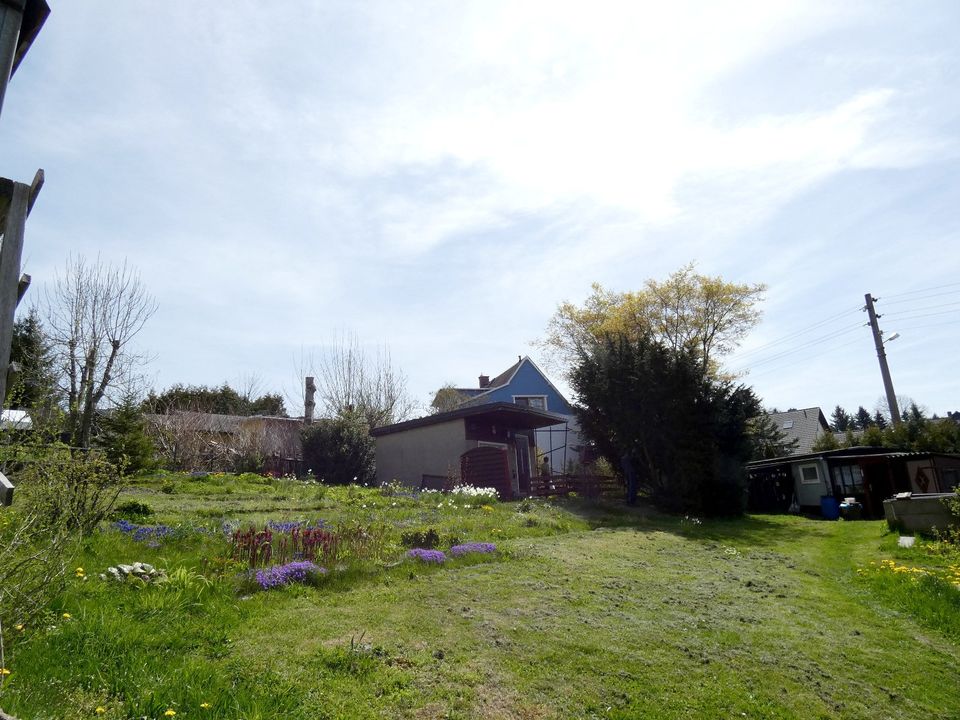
[(696, 315)]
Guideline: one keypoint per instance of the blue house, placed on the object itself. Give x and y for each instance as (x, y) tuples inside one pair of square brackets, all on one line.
[(523, 383)]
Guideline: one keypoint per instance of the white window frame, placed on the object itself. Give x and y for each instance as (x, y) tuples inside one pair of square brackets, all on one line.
[(544, 397), (804, 481), (486, 443)]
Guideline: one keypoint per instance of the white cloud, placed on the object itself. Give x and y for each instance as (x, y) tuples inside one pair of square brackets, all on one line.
[(410, 164)]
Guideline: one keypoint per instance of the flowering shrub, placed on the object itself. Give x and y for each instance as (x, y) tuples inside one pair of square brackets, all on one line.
[(428, 556), (477, 547), (294, 572), (481, 495)]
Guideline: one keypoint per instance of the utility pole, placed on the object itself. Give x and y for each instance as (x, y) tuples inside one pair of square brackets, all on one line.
[(882, 357)]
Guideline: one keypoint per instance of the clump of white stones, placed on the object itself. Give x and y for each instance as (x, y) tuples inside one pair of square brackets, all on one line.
[(140, 570)]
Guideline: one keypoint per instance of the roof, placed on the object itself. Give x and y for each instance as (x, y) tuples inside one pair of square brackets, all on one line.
[(502, 413), (499, 381), (15, 420), (861, 452), (216, 423), (505, 378), (801, 425)]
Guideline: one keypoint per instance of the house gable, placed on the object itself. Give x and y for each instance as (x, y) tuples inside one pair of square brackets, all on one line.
[(802, 425), (524, 379)]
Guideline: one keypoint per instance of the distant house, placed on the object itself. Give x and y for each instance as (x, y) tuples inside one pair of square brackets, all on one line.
[(211, 441), (484, 445), (525, 384), (804, 426)]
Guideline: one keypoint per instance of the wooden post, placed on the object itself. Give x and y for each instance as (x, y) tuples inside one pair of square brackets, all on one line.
[(6, 490), (13, 221), (308, 402)]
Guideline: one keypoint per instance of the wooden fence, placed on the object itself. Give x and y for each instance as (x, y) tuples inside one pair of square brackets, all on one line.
[(590, 486)]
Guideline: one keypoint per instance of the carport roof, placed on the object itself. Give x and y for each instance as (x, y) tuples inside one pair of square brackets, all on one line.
[(509, 415)]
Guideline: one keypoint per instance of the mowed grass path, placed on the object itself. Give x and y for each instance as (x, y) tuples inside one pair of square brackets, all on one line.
[(587, 611), (760, 618)]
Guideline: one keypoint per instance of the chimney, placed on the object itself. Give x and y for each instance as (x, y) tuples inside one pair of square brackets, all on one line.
[(484, 381), (308, 403)]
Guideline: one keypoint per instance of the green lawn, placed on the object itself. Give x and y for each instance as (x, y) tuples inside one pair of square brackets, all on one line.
[(587, 610)]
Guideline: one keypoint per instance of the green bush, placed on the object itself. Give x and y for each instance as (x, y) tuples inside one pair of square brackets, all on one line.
[(61, 498), (75, 490), (340, 451), (131, 510), (124, 439)]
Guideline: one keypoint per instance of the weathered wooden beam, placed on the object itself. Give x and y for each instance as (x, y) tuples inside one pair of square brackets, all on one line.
[(35, 14), (20, 23), (6, 497), (22, 287), (10, 253), (35, 187), (6, 193), (11, 17)]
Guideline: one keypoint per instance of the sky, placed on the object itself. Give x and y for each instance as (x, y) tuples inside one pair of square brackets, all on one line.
[(435, 177)]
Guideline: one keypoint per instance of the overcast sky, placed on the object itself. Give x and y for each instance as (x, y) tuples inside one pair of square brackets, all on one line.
[(437, 176)]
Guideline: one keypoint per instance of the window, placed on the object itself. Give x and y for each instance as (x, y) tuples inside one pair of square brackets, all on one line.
[(809, 474), (535, 402), (848, 478), (787, 424), (951, 478)]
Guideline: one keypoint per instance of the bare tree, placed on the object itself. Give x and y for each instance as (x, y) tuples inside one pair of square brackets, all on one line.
[(93, 311), (350, 378)]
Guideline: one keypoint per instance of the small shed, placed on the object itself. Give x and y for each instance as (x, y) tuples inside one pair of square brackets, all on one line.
[(869, 474), (489, 445)]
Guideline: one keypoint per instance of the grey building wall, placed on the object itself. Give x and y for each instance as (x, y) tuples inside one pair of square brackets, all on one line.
[(808, 493), (432, 450)]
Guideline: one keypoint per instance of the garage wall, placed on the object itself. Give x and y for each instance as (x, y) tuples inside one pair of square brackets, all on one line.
[(431, 450)]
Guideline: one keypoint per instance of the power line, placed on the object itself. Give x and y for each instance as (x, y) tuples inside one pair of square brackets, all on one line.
[(921, 290), (805, 358), (920, 297), (927, 325), (801, 331), (920, 309), (829, 336), (942, 312)]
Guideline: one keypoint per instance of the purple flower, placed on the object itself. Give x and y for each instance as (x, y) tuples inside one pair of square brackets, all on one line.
[(427, 556), (279, 575), (461, 550), (150, 534)]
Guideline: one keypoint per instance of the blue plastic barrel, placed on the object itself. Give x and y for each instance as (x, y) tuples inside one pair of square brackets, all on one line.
[(829, 507)]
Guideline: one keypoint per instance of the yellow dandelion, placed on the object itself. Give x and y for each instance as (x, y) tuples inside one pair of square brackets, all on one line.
[(18, 628), (205, 705), (79, 569), (100, 710), (4, 671), (67, 616), (170, 712)]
